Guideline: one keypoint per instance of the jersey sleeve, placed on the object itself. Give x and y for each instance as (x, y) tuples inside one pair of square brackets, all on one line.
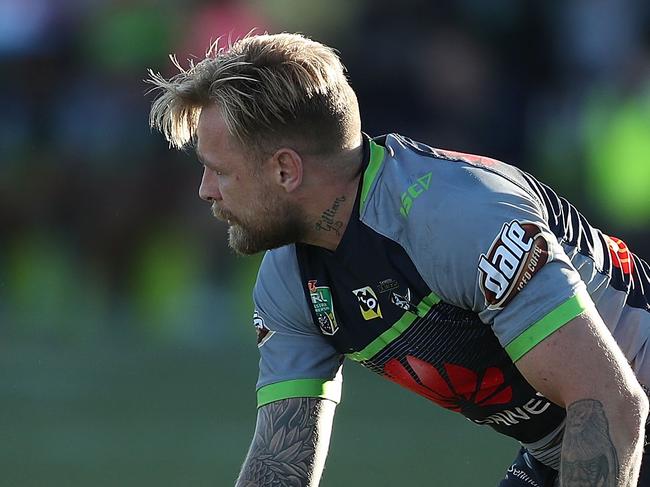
[(295, 360), (481, 240)]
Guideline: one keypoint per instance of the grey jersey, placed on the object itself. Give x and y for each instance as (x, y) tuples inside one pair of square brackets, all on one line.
[(452, 268)]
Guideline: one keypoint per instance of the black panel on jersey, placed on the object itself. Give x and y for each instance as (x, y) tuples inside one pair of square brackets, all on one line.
[(571, 227), (448, 355)]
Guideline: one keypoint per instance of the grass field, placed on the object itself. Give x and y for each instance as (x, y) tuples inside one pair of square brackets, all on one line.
[(99, 414)]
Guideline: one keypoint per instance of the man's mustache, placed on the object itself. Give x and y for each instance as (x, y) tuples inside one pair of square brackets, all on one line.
[(221, 214)]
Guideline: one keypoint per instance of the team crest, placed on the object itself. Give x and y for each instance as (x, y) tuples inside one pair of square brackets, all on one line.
[(368, 303), (403, 302), (321, 299), (263, 332)]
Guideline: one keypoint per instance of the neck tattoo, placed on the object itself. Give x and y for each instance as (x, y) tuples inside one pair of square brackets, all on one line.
[(328, 221)]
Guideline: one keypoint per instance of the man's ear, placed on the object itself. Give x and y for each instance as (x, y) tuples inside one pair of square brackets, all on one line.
[(287, 169)]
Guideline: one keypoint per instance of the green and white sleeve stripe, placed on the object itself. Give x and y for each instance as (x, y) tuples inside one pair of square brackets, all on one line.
[(323, 388)]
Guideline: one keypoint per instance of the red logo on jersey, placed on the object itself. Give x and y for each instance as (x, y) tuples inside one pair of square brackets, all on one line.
[(515, 256), (459, 391), (621, 256), (463, 157)]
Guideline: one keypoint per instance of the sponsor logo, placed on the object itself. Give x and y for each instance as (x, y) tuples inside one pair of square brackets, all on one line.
[(451, 155), (521, 475), (263, 332), (403, 302), (413, 192), (368, 303), (620, 254), (459, 388), (515, 256), (387, 285), (510, 417), (321, 299)]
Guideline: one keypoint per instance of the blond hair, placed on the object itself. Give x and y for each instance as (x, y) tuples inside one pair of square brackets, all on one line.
[(270, 89)]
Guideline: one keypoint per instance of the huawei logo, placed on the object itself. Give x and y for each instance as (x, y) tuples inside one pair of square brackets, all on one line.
[(462, 389)]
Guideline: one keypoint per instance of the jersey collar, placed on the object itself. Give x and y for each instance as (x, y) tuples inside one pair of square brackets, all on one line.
[(373, 158), (374, 163)]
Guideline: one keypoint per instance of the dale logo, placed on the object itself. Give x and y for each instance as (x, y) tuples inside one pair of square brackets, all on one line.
[(515, 256)]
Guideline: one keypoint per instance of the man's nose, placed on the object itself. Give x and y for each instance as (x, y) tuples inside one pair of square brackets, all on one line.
[(209, 188)]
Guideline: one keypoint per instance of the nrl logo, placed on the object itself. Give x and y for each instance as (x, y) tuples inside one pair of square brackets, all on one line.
[(321, 300)]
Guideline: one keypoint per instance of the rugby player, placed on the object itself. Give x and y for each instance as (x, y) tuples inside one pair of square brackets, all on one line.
[(457, 276)]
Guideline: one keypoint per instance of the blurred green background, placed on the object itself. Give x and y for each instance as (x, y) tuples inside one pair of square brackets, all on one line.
[(127, 353)]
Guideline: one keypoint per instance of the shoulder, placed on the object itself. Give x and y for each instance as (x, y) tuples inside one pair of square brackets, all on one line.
[(419, 188), (446, 209), (277, 263), (278, 291)]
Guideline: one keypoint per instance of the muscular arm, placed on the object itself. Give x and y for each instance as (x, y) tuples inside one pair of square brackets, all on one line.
[(581, 368), (290, 444)]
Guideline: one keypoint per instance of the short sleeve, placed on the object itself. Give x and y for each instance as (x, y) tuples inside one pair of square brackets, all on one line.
[(481, 240), (295, 359)]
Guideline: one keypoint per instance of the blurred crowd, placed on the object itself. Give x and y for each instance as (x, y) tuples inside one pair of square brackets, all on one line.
[(102, 230)]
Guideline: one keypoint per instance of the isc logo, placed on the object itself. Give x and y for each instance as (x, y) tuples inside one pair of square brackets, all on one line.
[(518, 252), (412, 192)]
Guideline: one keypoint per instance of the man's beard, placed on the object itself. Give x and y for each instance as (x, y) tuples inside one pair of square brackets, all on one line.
[(280, 224)]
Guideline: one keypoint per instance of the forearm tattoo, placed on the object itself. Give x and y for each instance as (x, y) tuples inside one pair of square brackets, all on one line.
[(283, 448), (588, 454)]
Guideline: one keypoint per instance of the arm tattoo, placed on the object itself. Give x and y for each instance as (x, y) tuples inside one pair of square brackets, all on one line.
[(588, 454), (327, 221), (284, 445)]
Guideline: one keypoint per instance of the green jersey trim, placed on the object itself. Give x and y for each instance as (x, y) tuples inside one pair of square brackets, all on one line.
[(550, 323), (326, 389), (385, 339), (377, 153)]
